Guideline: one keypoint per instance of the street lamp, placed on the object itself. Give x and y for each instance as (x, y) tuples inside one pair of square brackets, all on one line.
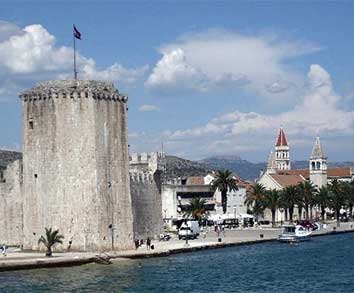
[(187, 232), (110, 226), (281, 216)]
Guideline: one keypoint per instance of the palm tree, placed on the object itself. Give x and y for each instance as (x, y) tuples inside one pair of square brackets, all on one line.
[(307, 191), (255, 197), (322, 199), (224, 181), (51, 238), (337, 197), (272, 201), (290, 198), (350, 197), (196, 208)]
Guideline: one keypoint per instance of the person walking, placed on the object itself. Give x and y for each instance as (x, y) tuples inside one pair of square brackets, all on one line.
[(148, 243), (3, 248)]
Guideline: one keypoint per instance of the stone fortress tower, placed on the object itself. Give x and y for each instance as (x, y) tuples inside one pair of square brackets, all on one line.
[(282, 152), (318, 165), (146, 176), (75, 165)]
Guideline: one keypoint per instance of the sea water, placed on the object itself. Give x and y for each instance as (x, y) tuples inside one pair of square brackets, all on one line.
[(324, 264)]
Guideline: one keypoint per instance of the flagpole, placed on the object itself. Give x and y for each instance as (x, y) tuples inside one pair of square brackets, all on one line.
[(75, 72)]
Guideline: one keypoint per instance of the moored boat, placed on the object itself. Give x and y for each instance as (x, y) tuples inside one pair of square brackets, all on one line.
[(291, 233)]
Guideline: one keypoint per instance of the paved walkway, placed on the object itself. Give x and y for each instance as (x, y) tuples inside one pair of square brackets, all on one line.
[(29, 260)]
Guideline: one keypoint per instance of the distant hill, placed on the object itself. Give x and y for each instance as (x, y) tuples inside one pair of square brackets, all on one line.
[(178, 167), (250, 171), (242, 168), (7, 157)]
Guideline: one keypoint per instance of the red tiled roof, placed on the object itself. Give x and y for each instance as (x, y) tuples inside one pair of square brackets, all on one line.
[(281, 139), (286, 179), (195, 180), (338, 172), (303, 172)]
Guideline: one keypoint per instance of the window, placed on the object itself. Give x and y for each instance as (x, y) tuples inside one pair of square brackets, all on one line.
[(30, 123), (2, 179)]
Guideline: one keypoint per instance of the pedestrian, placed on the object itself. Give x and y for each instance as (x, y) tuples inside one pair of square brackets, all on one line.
[(137, 243), (70, 243), (148, 243), (3, 248)]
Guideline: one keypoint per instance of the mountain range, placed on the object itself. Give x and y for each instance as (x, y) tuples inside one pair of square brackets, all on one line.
[(178, 167)]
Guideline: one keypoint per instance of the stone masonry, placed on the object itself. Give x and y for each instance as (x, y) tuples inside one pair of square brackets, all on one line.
[(75, 165), (11, 220), (145, 184)]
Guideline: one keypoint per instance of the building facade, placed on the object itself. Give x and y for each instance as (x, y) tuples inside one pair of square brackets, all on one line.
[(279, 175), (74, 173), (177, 194)]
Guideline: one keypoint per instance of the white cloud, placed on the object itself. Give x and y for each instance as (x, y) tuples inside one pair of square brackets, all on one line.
[(30, 54), (217, 59), (238, 132), (148, 108), (173, 73)]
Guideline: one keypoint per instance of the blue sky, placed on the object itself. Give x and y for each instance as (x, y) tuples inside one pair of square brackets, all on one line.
[(204, 77)]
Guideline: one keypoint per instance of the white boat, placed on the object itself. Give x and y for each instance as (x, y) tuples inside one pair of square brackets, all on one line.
[(291, 233)]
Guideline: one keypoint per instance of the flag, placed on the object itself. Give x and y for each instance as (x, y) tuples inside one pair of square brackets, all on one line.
[(76, 33)]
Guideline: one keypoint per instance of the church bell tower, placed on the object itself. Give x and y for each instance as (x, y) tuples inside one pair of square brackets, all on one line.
[(282, 152), (318, 165)]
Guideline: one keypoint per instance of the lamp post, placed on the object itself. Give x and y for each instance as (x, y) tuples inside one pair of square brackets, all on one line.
[(281, 216), (112, 233), (187, 232)]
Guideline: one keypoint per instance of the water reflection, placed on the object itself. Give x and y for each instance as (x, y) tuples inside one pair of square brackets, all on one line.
[(324, 264)]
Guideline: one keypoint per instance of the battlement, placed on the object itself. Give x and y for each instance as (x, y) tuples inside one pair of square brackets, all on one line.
[(147, 161), (141, 177), (73, 89)]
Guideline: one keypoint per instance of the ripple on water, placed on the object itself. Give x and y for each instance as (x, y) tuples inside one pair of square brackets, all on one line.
[(325, 264)]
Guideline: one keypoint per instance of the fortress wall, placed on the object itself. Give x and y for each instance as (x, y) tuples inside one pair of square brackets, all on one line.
[(146, 198), (11, 205), (115, 209), (75, 169)]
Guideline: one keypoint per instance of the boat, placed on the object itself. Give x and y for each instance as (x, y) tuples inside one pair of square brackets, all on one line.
[(291, 233)]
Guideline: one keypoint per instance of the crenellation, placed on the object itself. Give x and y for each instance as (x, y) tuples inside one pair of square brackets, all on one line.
[(76, 175)]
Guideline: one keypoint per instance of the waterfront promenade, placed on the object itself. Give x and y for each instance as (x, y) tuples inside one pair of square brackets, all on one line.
[(31, 260)]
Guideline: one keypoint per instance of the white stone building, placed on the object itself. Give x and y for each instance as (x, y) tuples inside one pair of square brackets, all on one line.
[(176, 196), (280, 175)]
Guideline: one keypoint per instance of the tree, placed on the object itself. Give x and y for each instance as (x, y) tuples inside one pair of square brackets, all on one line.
[(322, 199), (224, 181), (337, 198), (255, 198), (307, 191), (350, 197), (51, 239), (196, 208), (272, 201), (290, 198)]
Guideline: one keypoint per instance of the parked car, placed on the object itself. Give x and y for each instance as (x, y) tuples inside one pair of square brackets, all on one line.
[(264, 223), (343, 217), (189, 230), (230, 223), (308, 225)]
